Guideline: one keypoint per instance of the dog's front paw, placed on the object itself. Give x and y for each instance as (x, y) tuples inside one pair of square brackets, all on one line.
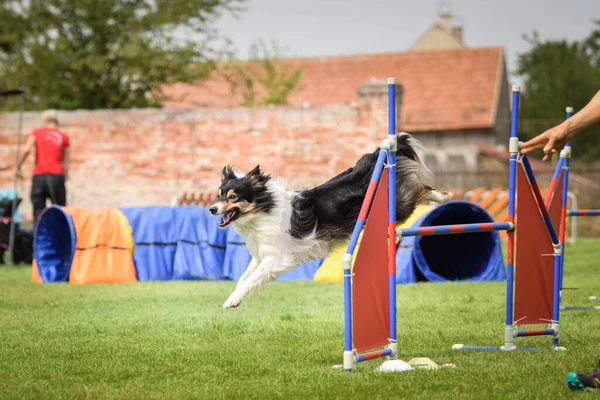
[(232, 302)]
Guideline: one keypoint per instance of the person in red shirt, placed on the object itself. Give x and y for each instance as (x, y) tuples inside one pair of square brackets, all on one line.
[(50, 171)]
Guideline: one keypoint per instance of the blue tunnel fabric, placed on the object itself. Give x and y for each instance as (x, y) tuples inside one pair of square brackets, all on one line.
[(405, 269), (154, 239), (439, 258), (185, 242), (172, 243), (54, 242), (236, 257), (201, 245)]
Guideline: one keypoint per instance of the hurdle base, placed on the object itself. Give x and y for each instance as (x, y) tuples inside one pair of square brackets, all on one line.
[(572, 308), (499, 348), (348, 361), (351, 358), (374, 354), (503, 348), (394, 348), (535, 332), (511, 333)]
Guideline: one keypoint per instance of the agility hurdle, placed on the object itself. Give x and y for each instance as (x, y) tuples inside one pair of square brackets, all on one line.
[(561, 172), (532, 294), (531, 299), (371, 322)]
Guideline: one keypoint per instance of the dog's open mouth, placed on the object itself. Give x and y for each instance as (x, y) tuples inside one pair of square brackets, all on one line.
[(229, 217)]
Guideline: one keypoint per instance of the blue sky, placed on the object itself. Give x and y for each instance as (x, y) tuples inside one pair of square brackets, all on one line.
[(331, 27)]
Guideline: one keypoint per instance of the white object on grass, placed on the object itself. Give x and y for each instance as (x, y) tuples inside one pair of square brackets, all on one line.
[(394, 366), (423, 362)]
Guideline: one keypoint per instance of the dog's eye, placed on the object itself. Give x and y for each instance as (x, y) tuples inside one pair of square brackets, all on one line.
[(232, 197)]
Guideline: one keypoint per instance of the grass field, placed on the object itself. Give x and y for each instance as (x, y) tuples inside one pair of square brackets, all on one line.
[(173, 340)]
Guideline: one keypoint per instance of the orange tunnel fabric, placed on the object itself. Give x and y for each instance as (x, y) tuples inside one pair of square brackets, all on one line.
[(103, 252)]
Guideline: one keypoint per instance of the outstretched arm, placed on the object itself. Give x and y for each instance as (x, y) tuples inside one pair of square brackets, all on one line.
[(556, 137)]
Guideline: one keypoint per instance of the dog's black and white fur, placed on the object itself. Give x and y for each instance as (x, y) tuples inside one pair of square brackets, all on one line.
[(284, 228)]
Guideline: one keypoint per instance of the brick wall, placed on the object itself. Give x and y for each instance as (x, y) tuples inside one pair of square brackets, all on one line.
[(145, 157)]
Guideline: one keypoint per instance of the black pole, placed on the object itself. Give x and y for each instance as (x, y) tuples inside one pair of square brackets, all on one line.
[(11, 241)]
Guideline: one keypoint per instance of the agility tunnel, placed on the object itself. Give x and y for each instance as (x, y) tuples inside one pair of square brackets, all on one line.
[(439, 258), (129, 244), (77, 245)]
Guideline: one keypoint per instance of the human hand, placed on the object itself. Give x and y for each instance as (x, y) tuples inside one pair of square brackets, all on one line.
[(551, 140)]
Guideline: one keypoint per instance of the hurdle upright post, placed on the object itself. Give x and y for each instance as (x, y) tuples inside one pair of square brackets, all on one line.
[(566, 155), (513, 149), (392, 140)]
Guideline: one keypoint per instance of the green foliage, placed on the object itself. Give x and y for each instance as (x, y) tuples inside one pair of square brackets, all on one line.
[(106, 54), (263, 79), (559, 74)]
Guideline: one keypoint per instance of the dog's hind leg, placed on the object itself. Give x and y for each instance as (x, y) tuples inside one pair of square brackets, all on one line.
[(430, 194)]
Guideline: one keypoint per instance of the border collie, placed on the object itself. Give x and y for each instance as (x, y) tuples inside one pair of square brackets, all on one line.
[(284, 228)]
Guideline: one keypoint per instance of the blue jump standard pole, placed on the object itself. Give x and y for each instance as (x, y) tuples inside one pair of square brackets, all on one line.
[(513, 148), (566, 155), (392, 140)]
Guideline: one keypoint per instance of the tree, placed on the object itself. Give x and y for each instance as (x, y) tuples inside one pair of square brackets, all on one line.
[(263, 78), (106, 53), (558, 74)]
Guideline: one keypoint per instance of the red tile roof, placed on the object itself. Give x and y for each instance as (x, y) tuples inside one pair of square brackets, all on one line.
[(443, 89)]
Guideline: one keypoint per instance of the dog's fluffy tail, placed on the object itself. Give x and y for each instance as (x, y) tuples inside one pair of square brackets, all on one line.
[(330, 210), (407, 153)]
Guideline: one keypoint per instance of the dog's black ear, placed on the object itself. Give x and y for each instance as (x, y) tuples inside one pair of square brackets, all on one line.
[(227, 173), (256, 172)]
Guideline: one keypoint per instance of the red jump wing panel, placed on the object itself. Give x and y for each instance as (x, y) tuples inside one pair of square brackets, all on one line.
[(534, 276), (370, 290)]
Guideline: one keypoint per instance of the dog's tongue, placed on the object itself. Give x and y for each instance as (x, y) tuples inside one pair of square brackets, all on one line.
[(226, 218)]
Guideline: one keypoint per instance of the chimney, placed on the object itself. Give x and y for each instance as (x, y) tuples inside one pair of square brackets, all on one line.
[(457, 33), (373, 102), (445, 20)]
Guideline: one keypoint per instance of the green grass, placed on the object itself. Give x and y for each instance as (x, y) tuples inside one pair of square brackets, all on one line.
[(173, 340)]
